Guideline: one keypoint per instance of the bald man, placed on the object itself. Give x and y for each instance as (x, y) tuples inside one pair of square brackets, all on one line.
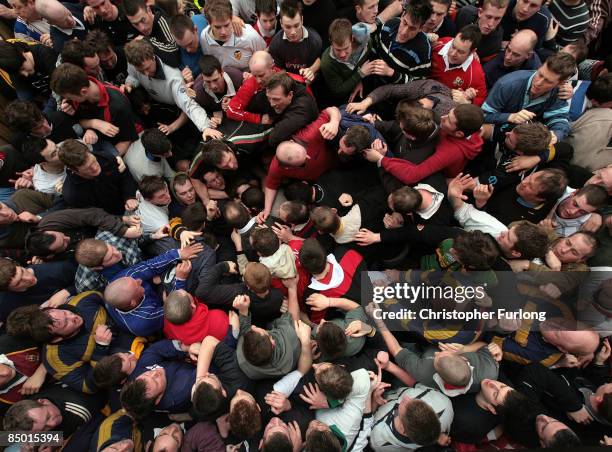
[(66, 20), (131, 299), (519, 55)]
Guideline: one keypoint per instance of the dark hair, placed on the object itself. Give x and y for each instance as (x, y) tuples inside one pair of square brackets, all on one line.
[(532, 138), (245, 419), (194, 217), (38, 243), (149, 185), (277, 442), (180, 24), (414, 119), (30, 322), (99, 41), (297, 212), (155, 142), (471, 33), (419, 10), (22, 116), (322, 440), (8, 269), (518, 416), (406, 199), (325, 219), (280, 79), (139, 97), (595, 195), (553, 183), (169, 7), (207, 401), (358, 137), (335, 381), (134, 400), (331, 340), (299, 191), (73, 153), (532, 241), (11, 56), (470, 118), (236, 215), (253, 198), (265, 7), (290, 8), (476, 250), (599, 90), (209, 64), (138, 51), (33, 146), (218, 10), (69, 78), (264, 241), (257, 348), (563, 438), (340, 30), (75, 52), (561, 63), (131, 7), (212, 152), (107, 373), (605, 407), (312, 256), (421, 423)]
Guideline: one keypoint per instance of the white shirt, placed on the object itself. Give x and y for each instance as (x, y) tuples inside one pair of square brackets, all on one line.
[(45, 182), (152, 217), (236, 51), (140, 165)]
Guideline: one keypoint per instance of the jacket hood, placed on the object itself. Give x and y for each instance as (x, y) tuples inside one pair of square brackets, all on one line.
[(470, 147)]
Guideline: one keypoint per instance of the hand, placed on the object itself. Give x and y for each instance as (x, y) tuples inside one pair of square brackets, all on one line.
[(225, 102), (393, 221), (366, 237), (552, 31), (372, 155), (237, 25), (295, 435), (550, 290), (603, 354), (314, 397), (314, 348), (241, 303), (371, 118), (45, 39), (232, 268), (357, 329), (284, 306), (593, 223), (460, 97), (234, 321), (433, 37), (126, 88), (382, 360), (521, 163), (291, 283), (266, 120), (27, 217), (214, 122), (106, 128), (33, 384), (67, 107), (278, 402), (187, 74), (35, 260), (283, 232), (7, 13), (379, 146), (212, 134), (451, 347), (482, 193), (471, 93), (458, 185), (496, 351), (57, 299), (606, 441), (133, 232), (345, 200), (521, 117), (90, 137), (187, 237), (194, 351), (212, 210), (318, 302), (191, 251), (581, 416), (131, 204), (552, 261), (131, 220), (89, 14), (308, 75), (23, 182), (303, 331), (329, 130), (263, 215), (183, 269), (120, 164), (382, 68), (166, 129), (359, 108), (103, 335), (357, 91)]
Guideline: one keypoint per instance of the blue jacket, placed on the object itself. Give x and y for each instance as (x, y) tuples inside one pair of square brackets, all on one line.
[(511, 94)]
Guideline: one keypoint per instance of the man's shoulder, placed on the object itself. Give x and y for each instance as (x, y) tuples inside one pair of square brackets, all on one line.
[(514, 78)]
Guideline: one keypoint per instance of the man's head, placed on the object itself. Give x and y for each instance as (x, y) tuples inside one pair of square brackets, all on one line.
[(169, 438), (602, 401), (185, 33), (292, 21), (140, 16), (523, 240), (258, 346), (155, 190), (244, 415), (183, 189), (103, 46), (294, 212), (25, 9), (325, 219), (194, 217), (77, 158), (219, 16), (277, 437), (264, 241), (279, 91), (313, 257), (331, 340), (16, 59), (33, 416), (26, 117), (82, 54), (257, 277), (475, 250), (496, 394), (366, 10), (265, 10), (208, 397), (141, 54), (112, 370), (453, 368), (524, 9), (156, 143), (15, 278), (417, 123), (603, 178), (404, 200), (46, 243), (44, 326), (439, 10), (554, 433), (218, 154), (261, 66), (415, 14), (463, 120), (583, 201), (70, 81), (341, 38), (576, 248), (55, 13), (213, 178), (319, 437), (464, 44), (355, 140), (418, 421), (291, 154), (528, 139), (212, 74), (96, 254), (542, 186), (236, 214), (36, 148), (104, 9), (139, 397), (600, 91), (334, 380), (179, 307), (569, 336), (490, 15), (124, 293), (520, 48), (553, 73)]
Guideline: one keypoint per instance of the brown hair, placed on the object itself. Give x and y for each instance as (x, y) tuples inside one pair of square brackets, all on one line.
[(340, 30), (280, 79), (73, 153), (325, 219), (469, 118), (421, 423), (532, 138), (406, 200), (218, 9), (561, 63), (138, 51), (245, 419), (476, 250), (69, 78), (532, 241), (415, 120), (90, 252), (257, 277), (8, 269)]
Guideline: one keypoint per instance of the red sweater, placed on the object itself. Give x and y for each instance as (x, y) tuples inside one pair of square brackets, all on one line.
[(451, 156), (458, 78), (203, 322), (321, 158)]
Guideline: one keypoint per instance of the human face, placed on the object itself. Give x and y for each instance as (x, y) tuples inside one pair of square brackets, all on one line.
[(279, 101), (128, 362), (602, 177), (529, 188), (320, 367), (489, 18), (343, 50), (108, 58), (507, 240), (148, 67), (189, 41), (316, 426), (47, 417), (142, 21), (24, 279), (276, 425), (511, 140), (90, 169), (221, 28), (408, 29), (92, 65), (515, 55), (125, 445), (49, 153), (524, 9), (28, 66), (7, 373), (42, 128), (367, 12), (459, 51), (572, 249), (137, 292), (439, 10), (574, 207), (448, 122), (104, 9), (494, 392), (7, 215), (65, 323), (268, 22), (229, 161), (25, 10), (185, 193), (214, 180), (215, 82), (112, 256), (60, 242), (169, 439), (293, 27), (155, 381), (261, 74), (161, 197), (543, 81), (547, 428), (343, 149), (65, 20)]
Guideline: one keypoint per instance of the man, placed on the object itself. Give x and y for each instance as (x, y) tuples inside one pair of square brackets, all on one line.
[(66, 20), (111, 19), (30, 25), (98, 107), (526, 95), (187, 36), (454, 63), (296, 161), (575, 208), (439, 24), (297, 49), (112, 58), (94, 179), (153, 201), (267, 24), (148, 156), (183, 193), (518, 56), (218, 38), (488, 18), (131, 299), (531, 14), (83, 55), (155, 27), (30, 67), (216, 85)]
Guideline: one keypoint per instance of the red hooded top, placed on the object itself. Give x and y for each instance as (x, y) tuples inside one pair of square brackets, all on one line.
[(203, 322)]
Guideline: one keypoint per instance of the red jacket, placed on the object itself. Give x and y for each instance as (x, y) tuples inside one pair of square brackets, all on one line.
[(458, 78), (236, 109), (451, 156), (203, 322), (321, 158)]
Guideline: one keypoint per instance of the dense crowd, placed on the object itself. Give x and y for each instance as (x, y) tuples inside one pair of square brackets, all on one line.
[(315, 225)]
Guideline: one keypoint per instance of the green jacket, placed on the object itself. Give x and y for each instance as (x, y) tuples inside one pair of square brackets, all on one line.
[(340, 78)]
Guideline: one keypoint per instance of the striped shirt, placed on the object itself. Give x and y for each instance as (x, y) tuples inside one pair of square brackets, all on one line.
[(573, 20)]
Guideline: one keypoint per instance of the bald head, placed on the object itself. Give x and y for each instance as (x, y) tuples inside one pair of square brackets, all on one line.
[(570, 336), (178, 307), (290, 153), (55, 13), (453, 369), (520, 48), (124, 293), (261, 66)]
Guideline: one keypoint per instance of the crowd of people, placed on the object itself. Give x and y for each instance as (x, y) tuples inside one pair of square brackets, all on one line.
[(202, 205)]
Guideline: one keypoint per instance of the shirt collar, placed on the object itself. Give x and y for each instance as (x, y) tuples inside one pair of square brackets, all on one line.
[(304, 34), (444, 54), (159, 70), (528, 100), (210, 39)]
